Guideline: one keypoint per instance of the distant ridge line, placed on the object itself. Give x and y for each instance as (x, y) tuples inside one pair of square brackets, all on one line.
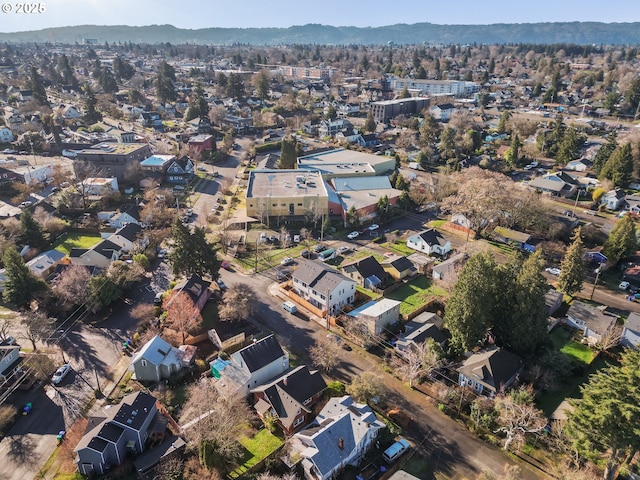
[(582, 33)]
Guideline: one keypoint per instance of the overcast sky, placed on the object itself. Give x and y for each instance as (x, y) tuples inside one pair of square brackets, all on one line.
[(285, 13)]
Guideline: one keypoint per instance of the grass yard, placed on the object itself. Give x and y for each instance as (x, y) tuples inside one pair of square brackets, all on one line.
[(436, 223), (415, 294), (76, 240), (562, 340), (256, 449), (400, 248)]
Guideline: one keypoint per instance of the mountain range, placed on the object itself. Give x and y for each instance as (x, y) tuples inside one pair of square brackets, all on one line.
[(583, 33)]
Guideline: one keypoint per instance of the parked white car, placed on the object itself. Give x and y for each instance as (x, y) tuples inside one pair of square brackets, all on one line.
[(62, 372), (353, 235), (553, 271)]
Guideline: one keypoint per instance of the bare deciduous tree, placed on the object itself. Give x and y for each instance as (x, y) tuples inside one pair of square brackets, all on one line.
[(366, 386), (517, 416), (239, 302), (36, 327), (71, 285), (420, 359), (218, 422), (325, 353), (182, 314), (610, 338)]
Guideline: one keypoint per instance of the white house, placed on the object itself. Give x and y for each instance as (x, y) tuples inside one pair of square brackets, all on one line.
[(126, 215), (127, 237), (6, 135), (341, 435), (429, 241), (322, 286), (251, 366), (443, 112), (580, 165), (614, 199), (376, 315), (631, 331), (593, 322), (99, 186)]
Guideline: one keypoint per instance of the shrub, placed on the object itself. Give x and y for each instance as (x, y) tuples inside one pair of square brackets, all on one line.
[(8, 415)]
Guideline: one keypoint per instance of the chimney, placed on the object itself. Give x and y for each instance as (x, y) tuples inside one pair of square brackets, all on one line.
[(341, 443), (284, 380)]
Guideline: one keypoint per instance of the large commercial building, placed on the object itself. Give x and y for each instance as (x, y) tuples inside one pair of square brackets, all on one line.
[(385, 110), (348, 161), (312, 73), (456, 88), (114, 159), (286, 193)]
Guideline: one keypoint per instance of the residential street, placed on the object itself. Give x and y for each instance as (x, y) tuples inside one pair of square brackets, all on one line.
[(452, 449)]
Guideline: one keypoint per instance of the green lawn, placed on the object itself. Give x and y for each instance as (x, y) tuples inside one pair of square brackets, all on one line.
[(400, 248), (210, 316), (562, 340), (415, 294), (76, 240), (437, 223), (256, 449)]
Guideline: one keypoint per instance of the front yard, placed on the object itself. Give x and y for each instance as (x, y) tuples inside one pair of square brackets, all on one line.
[(415, 294), (76, 240)]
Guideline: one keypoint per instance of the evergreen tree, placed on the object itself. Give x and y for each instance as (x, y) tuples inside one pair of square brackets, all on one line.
[(198, 106), (471, 308), (605, 420), (165, 88), (604, 153), (569, 146), (429, 130), (369, 124), (524, 326), (619, 167), (91, 115), (102, 292), (192, 253), (622, 241), (37, 88), (235, 86), (122, 69), (108, 81), (21, 286), (513, 154), (405, 93), (288, 153), (263, 84), (31, 231), (572, 268), (502, 123)]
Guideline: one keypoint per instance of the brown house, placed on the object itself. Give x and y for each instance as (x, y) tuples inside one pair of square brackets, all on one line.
[(290, 397)]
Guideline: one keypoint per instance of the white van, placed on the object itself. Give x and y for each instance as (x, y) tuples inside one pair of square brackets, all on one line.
[(394, 452), (290, 307)]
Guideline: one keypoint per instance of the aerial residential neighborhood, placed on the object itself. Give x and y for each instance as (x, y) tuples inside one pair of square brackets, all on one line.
[(273, 259)]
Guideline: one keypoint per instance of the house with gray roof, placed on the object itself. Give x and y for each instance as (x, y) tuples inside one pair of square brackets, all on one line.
[(127, 237), (157, 360), (557, 184), (45, 263), (420, 329), (290, 397), (341, 435), (594, 322), (631, 331), (323, 286), (376, 315), (490, 372), (251, 366), (101, 255), (118, 431)]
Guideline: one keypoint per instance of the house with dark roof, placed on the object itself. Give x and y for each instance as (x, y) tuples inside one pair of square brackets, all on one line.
[(323, 286), (448, 270), (614, 199), (180, 171), (197, 288), (631, 331), (367, 272), (157, 360), (101, 255), (341, 435), (429, 241), (120, 430), (490, 372), (251, 366), (290, 397), (594, 322), (127, 237), (420, 329), (399, 267)]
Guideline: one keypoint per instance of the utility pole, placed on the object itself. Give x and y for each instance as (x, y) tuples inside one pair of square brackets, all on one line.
[(593, 290)]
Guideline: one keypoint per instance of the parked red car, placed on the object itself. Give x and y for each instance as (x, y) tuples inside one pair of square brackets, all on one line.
[(225, 265)]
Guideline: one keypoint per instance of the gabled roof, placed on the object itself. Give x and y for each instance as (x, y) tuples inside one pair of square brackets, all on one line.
[(594, 318), (492, 368), (288, 392), (319, 276), (432, 237), (129, 231), (367, 267), (131, 210), (134, 410), (106, 248), (401, 264), (338, 429), (194, 286), (261, 353), (157, 351)]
